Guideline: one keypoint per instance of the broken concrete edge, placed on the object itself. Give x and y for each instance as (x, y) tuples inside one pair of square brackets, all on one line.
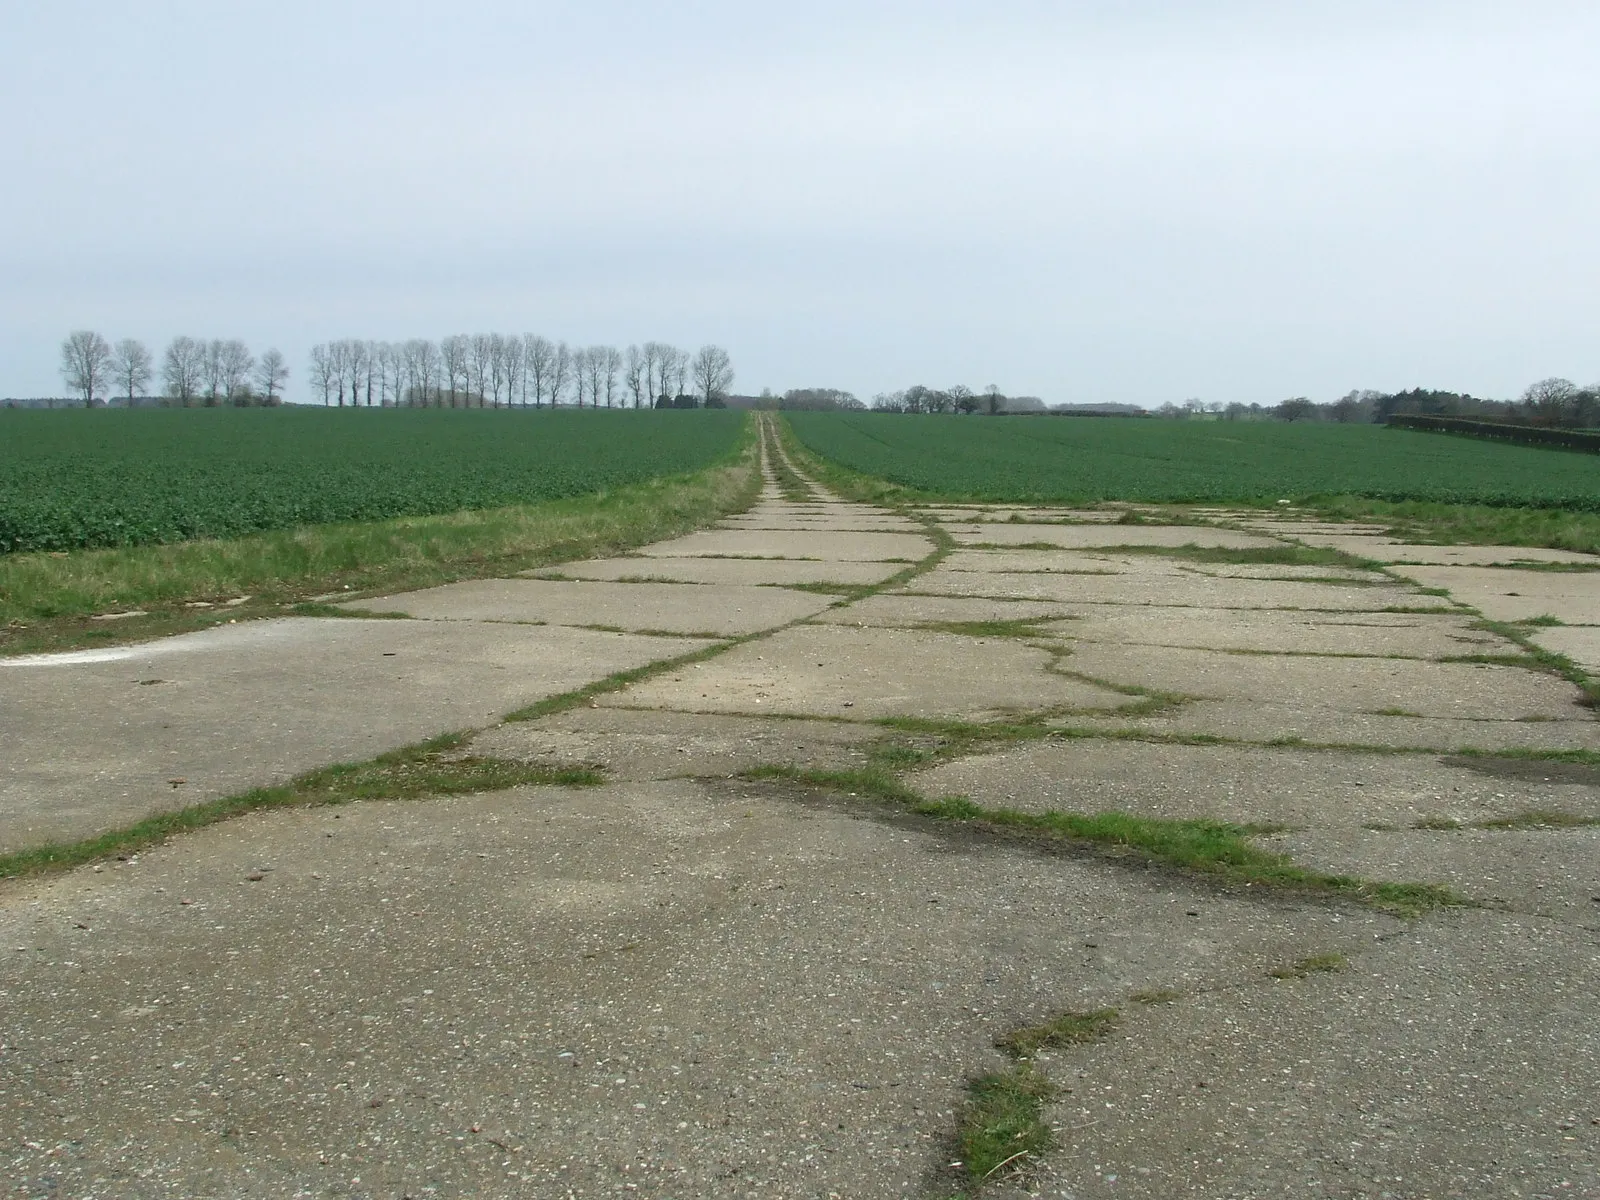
[(438, 766)]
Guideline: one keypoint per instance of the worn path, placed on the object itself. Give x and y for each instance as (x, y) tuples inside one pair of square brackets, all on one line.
[(701, 979)]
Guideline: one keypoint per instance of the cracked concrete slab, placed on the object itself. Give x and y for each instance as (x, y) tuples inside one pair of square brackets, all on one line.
[(1552, 873), (1580, 643), (1471, 691), (1089, 536), (1504, 594), (893, 608), (546, 991), (1179, 588), (725, 571), (726, 611), (1411, 635), (1254, 785), (1388, 550), (240, 706), (634, 745), (834, 671), (806, 544), (1453, 1059), (1244, 720)]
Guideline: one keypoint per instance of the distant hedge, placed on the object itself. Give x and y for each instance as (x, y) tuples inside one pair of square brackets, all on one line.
[(1527, 435)]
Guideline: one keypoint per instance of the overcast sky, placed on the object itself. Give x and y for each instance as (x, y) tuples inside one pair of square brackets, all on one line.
[(1129, 200)]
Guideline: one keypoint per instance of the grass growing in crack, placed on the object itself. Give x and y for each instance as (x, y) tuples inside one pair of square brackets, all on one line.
[(618, 680), (1316, 964), (1209, 848), (1533, 818), (1289, 554), (1547, 660), (1543, 621), (1002, 1124), (431, 768), (1066, 1029), (1020, 627)]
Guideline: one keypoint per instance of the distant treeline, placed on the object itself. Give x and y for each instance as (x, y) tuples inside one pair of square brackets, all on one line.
[(462, 371), (1552, 403), (495, 370)]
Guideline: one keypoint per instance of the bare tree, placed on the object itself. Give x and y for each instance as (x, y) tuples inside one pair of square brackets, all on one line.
[(511, 368), (271, 374), (234, 364), (963, 398), (580, 375), (183, 369), (610, 366), (1548, 400), (538, 357), (131, 367), (633, 374), (679, 375), (560, 372), (713, 373), (211, 370), (654, 385), (324, 371), (354, 362), (594, 369), (454, 351)]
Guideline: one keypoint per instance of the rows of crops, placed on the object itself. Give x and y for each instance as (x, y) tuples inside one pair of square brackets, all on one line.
[(76, 478), (1081, 460)]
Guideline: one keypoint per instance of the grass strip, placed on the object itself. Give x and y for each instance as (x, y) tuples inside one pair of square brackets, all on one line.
[(430, 768), (47, 600)]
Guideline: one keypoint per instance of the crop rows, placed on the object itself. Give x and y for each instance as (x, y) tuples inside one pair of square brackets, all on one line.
[(76, 479), (1079, 460)]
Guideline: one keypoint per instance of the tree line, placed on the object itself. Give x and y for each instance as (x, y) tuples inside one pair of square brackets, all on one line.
[(462, 371), (498, 370), (1556, 403), (192, 371)]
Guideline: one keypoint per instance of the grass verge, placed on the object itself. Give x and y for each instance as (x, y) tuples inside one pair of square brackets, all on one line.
[(431, 768), (48, 601), (1469, 524)]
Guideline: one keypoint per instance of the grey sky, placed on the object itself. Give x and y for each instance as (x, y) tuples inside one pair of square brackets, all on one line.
[(1131, 201)]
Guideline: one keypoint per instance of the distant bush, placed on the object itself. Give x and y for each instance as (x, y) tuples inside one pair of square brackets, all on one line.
[(1502, 431)]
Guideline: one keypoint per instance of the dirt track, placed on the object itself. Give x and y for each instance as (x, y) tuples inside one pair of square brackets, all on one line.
[(689, 982)]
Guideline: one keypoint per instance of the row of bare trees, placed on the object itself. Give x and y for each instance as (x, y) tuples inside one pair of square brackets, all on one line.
[(193, 370), (499, 370)]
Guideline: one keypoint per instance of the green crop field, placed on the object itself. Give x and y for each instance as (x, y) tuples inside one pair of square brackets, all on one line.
[(73, 479), (1085, 460)]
